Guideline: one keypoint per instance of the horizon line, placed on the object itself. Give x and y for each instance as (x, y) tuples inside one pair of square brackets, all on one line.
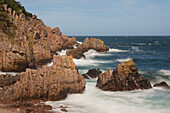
[(122, 35)]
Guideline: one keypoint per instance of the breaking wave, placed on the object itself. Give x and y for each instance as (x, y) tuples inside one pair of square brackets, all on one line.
[(117, 50), (123, 60), (164, 72)]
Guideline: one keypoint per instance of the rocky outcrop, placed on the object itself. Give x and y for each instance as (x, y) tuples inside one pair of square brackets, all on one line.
[(125, 77), (161, 84), (92, 73), (92, 43), (48, 83), (7, 80), (27, 42)]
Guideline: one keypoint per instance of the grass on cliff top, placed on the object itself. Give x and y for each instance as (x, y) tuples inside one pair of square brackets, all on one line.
[(15, 6), (5, 24)]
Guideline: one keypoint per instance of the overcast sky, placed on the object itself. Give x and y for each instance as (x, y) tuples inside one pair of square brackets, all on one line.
[(104, 17)]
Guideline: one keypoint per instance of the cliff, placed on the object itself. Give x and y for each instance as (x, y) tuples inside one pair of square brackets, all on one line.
[(25, 41)]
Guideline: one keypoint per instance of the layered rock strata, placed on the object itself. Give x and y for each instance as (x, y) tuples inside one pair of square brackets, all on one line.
[(125, 77), (48, 83)]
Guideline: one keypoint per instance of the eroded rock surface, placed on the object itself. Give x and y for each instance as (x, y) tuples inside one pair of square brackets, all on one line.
[(28, 42), (125, 77), (48, 83), (92, 43), (7, 80)]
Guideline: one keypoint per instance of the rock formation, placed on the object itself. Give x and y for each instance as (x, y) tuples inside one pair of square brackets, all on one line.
[(48, 83), (7, 80), (161, 84), (124, 77), (87, 44), (92, 73), (26, 42)]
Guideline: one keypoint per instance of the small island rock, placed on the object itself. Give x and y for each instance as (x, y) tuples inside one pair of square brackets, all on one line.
[(125, 77)]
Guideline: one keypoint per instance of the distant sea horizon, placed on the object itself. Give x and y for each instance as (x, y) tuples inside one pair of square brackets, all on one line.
[(120, 35)]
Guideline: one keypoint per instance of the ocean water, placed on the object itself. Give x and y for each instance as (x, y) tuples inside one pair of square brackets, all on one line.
[(152, 57)]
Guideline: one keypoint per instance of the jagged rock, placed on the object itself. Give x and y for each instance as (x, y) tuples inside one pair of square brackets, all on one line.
[(87, 44), (7, 80), (92, 73), (28, 42), (124, 77), (48, 83), (161, 84)]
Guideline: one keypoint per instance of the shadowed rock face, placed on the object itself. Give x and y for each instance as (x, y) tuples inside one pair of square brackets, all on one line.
[(92, 73), (88, 44), (124, 77), (29, 43), (7, 80), (48, 83)]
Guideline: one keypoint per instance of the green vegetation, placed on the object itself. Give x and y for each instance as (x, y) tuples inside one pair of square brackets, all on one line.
[(4, 18), (15, 6), (5, 25)]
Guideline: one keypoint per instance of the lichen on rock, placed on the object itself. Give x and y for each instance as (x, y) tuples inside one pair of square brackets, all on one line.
[(125, 77)]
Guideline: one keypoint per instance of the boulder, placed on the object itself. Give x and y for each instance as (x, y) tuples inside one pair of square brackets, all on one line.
[(125, 77), (161, 84), (48, 83), (92, 73), (92, 43)]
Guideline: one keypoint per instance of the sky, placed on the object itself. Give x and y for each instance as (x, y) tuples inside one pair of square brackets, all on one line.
[(103, 17)]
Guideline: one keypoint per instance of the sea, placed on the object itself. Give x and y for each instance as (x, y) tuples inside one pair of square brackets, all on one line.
[(152, 57)]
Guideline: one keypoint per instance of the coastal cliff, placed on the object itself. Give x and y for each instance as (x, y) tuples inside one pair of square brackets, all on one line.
[(25, 41)]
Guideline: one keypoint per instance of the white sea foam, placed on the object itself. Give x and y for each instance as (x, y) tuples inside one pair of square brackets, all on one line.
[(50, 64), (136, 49), (89, 62), (11, 73), (164, 72), (123, 60), (117, 50), (94, 100), (63, 52), (92, 53), (79, 42)]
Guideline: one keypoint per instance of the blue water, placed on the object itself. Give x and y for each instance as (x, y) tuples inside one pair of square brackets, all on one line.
[(152, 57), (150, 53)]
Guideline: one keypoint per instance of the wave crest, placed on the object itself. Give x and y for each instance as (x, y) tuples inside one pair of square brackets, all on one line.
[(117, 50)]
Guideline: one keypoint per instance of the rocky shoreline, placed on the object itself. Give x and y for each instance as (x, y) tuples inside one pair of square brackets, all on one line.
[(31, 46)]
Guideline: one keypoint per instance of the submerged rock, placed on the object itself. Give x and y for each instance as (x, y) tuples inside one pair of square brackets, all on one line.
[(48, 83), (161, 84), (92, 73), (125, 77), (87, 44)]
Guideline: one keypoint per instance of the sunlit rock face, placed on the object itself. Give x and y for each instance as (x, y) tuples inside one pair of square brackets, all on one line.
[(124, 77), (92, 43), (48, 83)]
